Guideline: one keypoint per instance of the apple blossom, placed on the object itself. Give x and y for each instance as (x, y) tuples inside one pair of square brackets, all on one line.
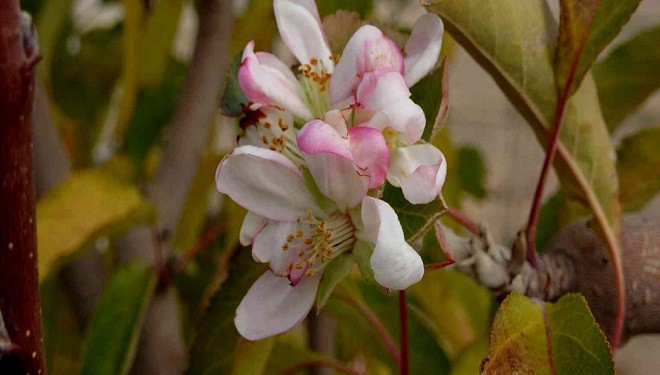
[(419, 170), (298, 236)]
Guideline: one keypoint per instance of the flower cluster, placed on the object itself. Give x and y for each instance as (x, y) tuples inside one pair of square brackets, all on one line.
[(317, 146)]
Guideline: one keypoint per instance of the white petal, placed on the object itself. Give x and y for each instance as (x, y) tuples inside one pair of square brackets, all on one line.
[(345, 78), (423, 47), (270, 240), (396, 264), (265, 182), (252, 225), (277, 66), (420, 170), (272, 306), (300, 27)]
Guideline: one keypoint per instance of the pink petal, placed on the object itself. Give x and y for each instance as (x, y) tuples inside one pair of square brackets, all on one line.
[(330, 162), (396, 264), (420, 170), (367, 50), (381, 88), (272, 306), (301, 29), (267, 84), (423, 47), (370, 152), (265, 182)]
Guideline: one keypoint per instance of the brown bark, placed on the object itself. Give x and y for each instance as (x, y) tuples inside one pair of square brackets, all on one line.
[(19, 281)]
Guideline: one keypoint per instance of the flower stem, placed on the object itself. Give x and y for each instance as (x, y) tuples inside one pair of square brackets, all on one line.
[(462, 219), (202, 244), (403, 320)]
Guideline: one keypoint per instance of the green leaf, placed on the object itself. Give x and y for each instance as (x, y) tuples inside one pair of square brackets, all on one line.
[(285, 356), (458, 308), (515, 42), (362, 252), (628, 76), (549, 219), (472, 171), (333, 274), (63, 339), (114, 331), (413, 217), (639, 163), (432, 94), (87, 205), (233, 98), (215, 343), (251, 357), (543, 338), (586, 27)]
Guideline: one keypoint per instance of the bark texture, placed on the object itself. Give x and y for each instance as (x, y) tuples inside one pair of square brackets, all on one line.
[(19, 281)]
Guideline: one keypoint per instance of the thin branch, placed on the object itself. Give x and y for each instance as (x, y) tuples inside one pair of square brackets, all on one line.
[(325, 362), (403, 321), (376, 323)]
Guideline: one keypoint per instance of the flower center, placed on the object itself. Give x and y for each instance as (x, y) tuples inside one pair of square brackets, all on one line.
[(269, 131), (314, 79), (317, 242)]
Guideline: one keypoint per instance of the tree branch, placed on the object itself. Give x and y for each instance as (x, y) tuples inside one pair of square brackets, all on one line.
[(576, 261), (19, 294), (161, 349)]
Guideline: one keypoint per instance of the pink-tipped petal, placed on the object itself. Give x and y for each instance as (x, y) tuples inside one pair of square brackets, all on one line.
[(423, 47), (301, 30), (380, 53), (337, 119), (267, 84), (252, 225), (420, 170), (370, 153), (396, 264), (330, 162), (272, 306), (381, 88), (265, 182), (277, 66)]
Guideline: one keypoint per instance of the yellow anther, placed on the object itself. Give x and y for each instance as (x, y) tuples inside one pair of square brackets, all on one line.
[(285, 247), (300, 234), (290, 238), (267, 125), (310, 272), (298, 266)]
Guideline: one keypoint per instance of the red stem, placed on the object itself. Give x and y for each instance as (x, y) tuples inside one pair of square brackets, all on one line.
[(463, 220), (19, 280), (375, 322), (403, 319)]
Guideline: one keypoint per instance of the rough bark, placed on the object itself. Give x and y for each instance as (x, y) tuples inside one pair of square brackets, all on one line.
[(576, 261), (161, 348), (19, 281)]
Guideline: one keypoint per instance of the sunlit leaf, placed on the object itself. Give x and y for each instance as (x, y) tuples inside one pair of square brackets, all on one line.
[(531, 337), (114, 331), (458, 308), (586, 27), (628, 76), (251, 357), (361, 7), (639, 164), (87, 205), (216, 339), (515, 42)]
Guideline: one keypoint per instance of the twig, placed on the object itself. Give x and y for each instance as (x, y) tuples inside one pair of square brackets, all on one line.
[(462, 219), (403, 320), (19, 280), (326, 362), (376, 323), (202, 244)]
